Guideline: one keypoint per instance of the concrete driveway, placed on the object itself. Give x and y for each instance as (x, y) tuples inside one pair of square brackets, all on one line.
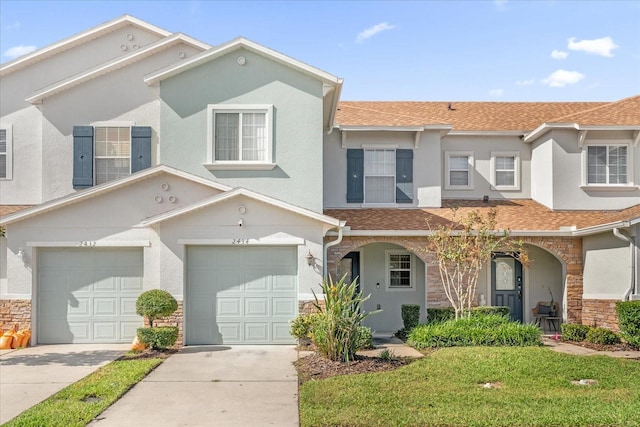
[(30, 375), (213, 385)]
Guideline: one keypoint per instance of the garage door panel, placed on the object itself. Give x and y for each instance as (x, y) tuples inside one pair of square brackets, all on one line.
[(256, 307), (232, 332), (256, 332), (229, 306), (105, 306), (243, 289), (285, 307), (88, 295)]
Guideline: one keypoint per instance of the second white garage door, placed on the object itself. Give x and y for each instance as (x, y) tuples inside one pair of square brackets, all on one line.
[(240, 295)]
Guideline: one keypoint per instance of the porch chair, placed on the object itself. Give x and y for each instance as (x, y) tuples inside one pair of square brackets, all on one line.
[(543, 310)]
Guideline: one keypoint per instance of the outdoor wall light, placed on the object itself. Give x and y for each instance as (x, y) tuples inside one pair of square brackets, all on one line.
[(22, 255), (310, 258)]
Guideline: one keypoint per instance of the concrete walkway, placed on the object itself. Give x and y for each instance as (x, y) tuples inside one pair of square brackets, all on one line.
[(388, 341), (213, 385), (577, 350), (30, 375)]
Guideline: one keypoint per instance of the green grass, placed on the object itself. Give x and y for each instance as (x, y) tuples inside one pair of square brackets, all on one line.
[(67, 408), (445, 389)]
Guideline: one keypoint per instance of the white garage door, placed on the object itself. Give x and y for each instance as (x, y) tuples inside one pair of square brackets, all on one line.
[(240, 295), (88, 295)]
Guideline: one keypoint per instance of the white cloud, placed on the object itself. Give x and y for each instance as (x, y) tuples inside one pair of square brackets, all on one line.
[(558, 54), (602, 47), (14, 26), (14, 52), (496, 92), (372, 31), (525, 82), (561, 78)]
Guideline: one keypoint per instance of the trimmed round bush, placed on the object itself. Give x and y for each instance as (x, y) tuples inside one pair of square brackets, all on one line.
[(301, 325), (159, 337), (629, 319), (364, 337), (602, 336), (154, 304), (410, 316), (574, 332)]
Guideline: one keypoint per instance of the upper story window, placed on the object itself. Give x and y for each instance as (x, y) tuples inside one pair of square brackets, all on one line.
[(112, 153), (458, 170), (379, 176), (505, 170), (240, 136), (109, 150), (399, 269), (6, 153), (607, 164)]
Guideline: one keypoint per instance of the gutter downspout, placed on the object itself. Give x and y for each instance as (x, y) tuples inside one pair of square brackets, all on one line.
[(326, 247), (630, 240)]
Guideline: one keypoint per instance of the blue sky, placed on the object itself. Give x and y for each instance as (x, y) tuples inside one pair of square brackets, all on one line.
[(504, 50)]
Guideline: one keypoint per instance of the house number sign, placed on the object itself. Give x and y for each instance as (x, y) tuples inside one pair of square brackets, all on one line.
[(240, 241), (87, 244)]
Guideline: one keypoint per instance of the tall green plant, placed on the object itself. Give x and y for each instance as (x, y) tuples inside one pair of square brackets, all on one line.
[(336, 332)]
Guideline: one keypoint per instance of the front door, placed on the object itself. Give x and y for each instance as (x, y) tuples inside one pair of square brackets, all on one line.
[(350, 265), (506, 284)]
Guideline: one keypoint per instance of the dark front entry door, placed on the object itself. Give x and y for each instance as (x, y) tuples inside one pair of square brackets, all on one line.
[(506, 284), (350, 265)]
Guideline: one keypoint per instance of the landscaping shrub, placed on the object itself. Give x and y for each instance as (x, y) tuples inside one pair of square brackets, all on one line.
[(301, 325), (337, 331), (154, 304), (437, 315), (574, 332), (629, 321), (490, 329), (365, 338), (158, 337), (410, 316), (602, 336)]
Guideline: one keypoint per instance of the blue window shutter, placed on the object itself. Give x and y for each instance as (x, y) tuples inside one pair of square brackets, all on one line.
[(140, 148), (404, 176), (82, 156), (355, 175)]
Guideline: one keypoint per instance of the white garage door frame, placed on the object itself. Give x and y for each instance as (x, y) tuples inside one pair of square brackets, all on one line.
[(124, 322), (239, 326)]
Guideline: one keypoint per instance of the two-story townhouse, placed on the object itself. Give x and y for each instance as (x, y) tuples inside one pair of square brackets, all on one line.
[(563, 177), (233, 177), (179, 166)]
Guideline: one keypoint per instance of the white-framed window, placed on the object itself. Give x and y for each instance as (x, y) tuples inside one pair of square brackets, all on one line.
[(379, 176), (239, 136), (505, 170), (112, 148), (607, 164), (399, 267), (6, 152), (459, 168)]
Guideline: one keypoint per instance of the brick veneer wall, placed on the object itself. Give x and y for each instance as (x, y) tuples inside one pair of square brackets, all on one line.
[(14, 311), (601, 313), (176, 319), (567, 249)]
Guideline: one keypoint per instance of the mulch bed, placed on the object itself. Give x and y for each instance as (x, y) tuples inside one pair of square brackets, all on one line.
[(316, 367), (602, 347)]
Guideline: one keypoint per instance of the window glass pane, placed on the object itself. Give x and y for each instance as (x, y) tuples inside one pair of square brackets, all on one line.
[(596, 165), (505, 277), (227, 136), (400, 279), (458, 178), (459, 162), (379, 162), (379, 189), (254, 136), (505, 178), (110, 169), (3, 141), (505, 162), (618, 165), (112, 141), (3, 165)]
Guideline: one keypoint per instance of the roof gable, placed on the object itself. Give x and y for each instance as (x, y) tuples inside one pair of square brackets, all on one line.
[(79, 39), (106, 188)]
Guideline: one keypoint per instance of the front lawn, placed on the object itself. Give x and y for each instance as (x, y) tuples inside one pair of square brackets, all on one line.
[(81, 402), (528, 387)]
